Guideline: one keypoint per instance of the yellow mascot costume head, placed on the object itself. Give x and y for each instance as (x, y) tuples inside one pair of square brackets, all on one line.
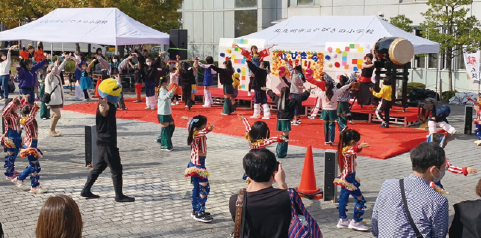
[(110, 90)]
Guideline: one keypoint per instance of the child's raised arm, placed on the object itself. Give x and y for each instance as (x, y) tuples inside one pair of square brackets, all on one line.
[(90, 65)]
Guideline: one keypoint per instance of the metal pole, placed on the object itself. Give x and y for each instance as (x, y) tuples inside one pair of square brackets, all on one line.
[(62, 47), (51, 49), (116, 50), (437, 77)]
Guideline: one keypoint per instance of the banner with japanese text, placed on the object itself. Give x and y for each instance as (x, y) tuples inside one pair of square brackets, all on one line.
[(472, 63)]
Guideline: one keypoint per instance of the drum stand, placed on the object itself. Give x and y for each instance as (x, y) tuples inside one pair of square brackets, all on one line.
[(397, 73)]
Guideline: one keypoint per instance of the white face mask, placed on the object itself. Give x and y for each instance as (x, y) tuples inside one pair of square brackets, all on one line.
[(83, 68), (148, 63), (114, 60)]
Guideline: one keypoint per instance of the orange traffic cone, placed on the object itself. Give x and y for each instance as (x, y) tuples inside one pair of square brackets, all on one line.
[(308, 187), (97, 95)]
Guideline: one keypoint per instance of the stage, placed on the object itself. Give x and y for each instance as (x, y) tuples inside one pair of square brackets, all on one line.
[(384, 142)]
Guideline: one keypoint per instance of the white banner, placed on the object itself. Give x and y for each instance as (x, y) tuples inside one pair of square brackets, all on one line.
[(471, 60)]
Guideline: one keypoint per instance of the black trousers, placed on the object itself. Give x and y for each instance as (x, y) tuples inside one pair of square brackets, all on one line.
[(108, 156), (251, 83), (384, 107), (187, 93)]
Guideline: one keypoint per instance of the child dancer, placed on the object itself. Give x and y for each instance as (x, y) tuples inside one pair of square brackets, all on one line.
[(226, 80), (285, 113), (343, 111), (439, 118), (385, 106), (174, 81), (329, 110), (209, 75), (12, 139), (85, 80), (296, 88), (197, 140), (30, 150), (260, 96), (442, 139), (236, 85), (164, 113), (348, 149), (256, 58), (79, 61)]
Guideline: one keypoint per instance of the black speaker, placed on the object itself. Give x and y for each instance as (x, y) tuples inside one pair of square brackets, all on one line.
[(178, 44), (91, 150), (468, 120), (330, 173)]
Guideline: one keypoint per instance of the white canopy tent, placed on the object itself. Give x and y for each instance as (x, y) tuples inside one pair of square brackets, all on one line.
[(312, 33), (104, 26)]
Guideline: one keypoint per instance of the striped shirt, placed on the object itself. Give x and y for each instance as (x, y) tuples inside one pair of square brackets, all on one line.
[(262, 143), (346, 95), (199, 145), (31, 131), (12, 120), (456, 170), (349, 155), (428, 208)]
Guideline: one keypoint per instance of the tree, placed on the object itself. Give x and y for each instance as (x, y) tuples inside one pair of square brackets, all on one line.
[(161, 15), (447, 23), (402, 22)]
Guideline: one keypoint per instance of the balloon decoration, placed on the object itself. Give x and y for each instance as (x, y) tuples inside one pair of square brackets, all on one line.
[(229, 51), (338, 50), (238, 70), (327, 57), (337, 64), (222, 55), (329, 65), (329, 49), (334, 56), (311, 60)]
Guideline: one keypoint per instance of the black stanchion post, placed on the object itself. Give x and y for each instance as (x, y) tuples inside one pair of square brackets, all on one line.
[(91, 150), (330, 173), (468, 120)]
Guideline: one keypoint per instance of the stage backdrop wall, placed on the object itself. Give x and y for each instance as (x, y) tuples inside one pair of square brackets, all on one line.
[(335, 59)]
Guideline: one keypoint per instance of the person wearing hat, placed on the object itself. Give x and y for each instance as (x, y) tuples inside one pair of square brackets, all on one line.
[(109, 90)]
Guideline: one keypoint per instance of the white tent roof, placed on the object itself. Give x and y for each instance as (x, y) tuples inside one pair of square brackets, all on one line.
[(105, 26), (312, 33)]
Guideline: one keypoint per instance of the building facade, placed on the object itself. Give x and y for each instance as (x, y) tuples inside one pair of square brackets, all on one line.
[(209, 20)]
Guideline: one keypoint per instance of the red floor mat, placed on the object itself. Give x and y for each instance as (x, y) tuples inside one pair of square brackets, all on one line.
[(385, 143)]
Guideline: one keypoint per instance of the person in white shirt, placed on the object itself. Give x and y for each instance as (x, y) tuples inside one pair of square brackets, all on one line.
[(5, 62)]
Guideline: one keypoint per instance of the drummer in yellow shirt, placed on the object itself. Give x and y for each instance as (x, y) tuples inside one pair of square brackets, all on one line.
[(386, 102)]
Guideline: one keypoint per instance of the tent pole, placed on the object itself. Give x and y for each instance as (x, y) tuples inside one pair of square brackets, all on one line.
[(51, 49), (116, 50), (62, 47)]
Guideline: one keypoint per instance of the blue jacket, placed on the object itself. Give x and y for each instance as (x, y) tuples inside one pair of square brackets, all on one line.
[(28, 78)]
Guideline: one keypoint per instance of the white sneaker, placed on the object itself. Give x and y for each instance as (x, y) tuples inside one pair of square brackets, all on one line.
[(173, 104), (152, 108), (177, 103), (147, 108), (358, 226), (205, 105), (249, 94), (169, 150), (343, 223), (311, 117), (85, 100), (38, 190), (255, 117)]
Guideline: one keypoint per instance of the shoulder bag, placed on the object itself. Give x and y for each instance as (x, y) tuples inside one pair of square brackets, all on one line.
[(48, 96), (240, 210), (406, 209), (302, 225)]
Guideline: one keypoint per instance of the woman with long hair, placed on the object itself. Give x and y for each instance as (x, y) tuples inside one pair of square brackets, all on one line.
[(60, 217), (260, 96), (187, 79), (329, 110)]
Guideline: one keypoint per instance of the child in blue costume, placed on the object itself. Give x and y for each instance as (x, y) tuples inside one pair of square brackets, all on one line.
[(439, 118), (30, 150), (12, 139), (209, 75), (85, 80)]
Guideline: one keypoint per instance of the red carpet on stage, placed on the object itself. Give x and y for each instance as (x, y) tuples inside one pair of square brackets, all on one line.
[(385, 143)]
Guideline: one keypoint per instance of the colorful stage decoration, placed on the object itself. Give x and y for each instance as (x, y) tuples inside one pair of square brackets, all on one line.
[(310, 60), (346, 58)]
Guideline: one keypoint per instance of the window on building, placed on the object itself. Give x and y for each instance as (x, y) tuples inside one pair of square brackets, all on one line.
[(305, 2), (433, 61), (245, 3), (245, 22), (420, 60), (460, 61)]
